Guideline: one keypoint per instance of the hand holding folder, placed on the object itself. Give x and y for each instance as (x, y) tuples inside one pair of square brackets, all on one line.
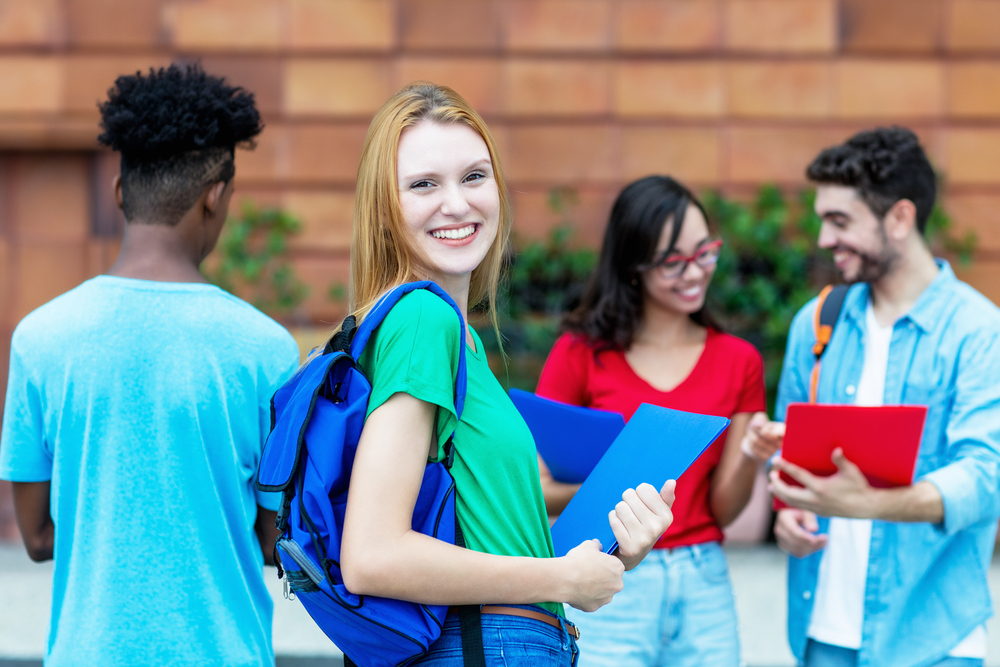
[(882, 442), (657, 444)]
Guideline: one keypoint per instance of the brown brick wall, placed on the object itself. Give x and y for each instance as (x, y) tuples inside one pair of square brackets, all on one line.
[(588, 93), (585, 93)]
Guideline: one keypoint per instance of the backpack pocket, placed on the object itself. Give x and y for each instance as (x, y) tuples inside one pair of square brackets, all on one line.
[(301, 573)]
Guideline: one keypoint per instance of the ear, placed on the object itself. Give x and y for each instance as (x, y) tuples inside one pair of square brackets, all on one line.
[(213, 197), (117, 185), (901, 220)]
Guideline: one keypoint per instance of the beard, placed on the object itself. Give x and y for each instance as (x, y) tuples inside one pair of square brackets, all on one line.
[(874, 265)]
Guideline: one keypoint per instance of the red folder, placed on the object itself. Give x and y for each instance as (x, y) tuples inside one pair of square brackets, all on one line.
[(882, 441)]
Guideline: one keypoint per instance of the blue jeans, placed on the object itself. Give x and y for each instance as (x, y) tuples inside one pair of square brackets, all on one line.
[(825, 655), (508, 641), (676, 609)]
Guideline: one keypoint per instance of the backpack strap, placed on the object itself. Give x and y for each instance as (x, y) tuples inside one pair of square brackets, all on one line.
[(469, 618), (382, 308), (828, 307)]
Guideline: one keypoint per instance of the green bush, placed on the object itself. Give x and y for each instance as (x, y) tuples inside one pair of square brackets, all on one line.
[(252, 260), (769, 268)]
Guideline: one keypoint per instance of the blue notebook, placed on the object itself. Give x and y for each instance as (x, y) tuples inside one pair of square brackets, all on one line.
[(571, 439), (657, 444)]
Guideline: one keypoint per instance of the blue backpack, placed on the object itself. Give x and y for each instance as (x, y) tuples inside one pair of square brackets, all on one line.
[(316, 422)]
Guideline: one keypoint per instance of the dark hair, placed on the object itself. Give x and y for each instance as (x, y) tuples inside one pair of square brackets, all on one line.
[(176, 129), (886, 164), (610, 310)]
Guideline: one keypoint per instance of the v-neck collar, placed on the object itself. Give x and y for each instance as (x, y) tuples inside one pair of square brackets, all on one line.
[(711, 333)]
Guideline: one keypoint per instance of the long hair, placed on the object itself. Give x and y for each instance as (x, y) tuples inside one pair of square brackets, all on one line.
[(383, 255), (610, 311)]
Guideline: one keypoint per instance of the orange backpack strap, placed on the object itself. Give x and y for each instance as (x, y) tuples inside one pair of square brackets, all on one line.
[(828, 307)]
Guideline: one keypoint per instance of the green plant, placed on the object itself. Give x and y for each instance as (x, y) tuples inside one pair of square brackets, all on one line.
[(770, 267), (544, 279), (252, 261)]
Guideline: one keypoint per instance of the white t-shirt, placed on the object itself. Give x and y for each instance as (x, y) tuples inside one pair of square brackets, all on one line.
[(843, 571)]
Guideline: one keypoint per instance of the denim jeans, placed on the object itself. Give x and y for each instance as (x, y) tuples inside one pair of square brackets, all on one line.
[(508, 641), (825, 655), (676, 609)]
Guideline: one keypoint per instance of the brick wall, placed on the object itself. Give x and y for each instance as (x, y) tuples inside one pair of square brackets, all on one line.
[(586, 93)]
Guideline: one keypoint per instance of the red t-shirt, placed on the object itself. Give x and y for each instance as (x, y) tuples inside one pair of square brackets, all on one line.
[(727, 379)]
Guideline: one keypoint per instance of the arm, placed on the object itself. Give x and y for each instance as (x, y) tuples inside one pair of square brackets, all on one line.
[(847, 493), (382, 555), (557, 494), (793, 386), (733, 479), (267, 534), (969, 485), (31, 507)]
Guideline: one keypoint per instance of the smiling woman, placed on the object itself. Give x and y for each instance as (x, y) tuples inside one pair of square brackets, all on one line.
[(432, 204), (641, 335)]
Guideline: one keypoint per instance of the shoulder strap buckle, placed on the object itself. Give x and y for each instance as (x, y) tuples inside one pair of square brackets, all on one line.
[(449, 452), (341, 341)]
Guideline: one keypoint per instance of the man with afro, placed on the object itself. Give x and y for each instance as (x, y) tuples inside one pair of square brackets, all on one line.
[(138, 405), (893, 577)]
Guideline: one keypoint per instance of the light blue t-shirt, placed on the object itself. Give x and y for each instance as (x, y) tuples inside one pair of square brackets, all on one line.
[(147, 405)]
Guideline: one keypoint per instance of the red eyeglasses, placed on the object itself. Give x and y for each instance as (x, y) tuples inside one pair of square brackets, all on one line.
[(674, 265)]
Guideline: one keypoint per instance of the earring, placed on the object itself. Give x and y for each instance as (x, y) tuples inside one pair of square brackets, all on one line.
[(635, 281)]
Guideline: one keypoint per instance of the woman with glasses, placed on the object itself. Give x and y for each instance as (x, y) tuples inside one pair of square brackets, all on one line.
[(642, 335)]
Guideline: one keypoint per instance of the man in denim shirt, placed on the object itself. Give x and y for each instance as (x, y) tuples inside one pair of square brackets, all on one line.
[(893, 577)]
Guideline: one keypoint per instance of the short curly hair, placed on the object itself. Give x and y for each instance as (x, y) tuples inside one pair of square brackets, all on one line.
[(176, 129), (885, 165)]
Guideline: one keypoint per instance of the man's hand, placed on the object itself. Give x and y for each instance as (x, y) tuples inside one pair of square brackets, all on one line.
[(796, 532), (763, 437), (640, 519), (846, 493)]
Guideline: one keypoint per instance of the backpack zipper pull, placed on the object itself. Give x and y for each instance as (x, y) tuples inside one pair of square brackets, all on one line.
[(289, 594)]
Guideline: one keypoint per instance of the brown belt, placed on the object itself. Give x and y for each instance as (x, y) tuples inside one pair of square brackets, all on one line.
[(527, 613)]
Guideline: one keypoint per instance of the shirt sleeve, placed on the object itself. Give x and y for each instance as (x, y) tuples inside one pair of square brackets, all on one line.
[(970, 482), (793, 387), (25, 456), (288, 364), (415, 351), (565, 374)]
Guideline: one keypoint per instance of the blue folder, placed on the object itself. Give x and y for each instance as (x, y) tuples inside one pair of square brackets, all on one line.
[(657, 444), (571, 439)]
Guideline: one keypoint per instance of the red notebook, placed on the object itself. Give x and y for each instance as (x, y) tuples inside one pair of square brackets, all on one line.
[(883, 441)]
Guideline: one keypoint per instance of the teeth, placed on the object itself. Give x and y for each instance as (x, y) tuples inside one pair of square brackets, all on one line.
[(454, 234), (691, 291)]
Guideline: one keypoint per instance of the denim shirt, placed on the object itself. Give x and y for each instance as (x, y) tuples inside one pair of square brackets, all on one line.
[(926, 584)]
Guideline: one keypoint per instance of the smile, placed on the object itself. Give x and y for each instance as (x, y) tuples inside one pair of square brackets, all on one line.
[(455, 234), (691, 292)]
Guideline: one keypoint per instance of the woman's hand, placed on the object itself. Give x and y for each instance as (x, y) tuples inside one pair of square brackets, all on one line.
[(640, 519), (595, 576), (763, 438)]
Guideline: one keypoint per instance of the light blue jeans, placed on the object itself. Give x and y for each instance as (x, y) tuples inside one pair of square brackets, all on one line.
[(826, 655), (676, 609), (508, 641)]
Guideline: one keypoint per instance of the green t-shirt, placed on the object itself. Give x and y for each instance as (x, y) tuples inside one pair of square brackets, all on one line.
[(500, 503)]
